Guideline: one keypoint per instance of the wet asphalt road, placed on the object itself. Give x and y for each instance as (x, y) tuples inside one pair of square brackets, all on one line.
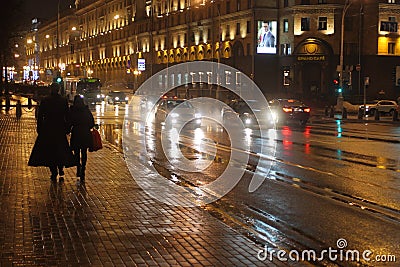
[(325, 182)]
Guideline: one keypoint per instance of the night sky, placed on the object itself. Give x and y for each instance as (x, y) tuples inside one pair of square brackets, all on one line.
[(45, 9)]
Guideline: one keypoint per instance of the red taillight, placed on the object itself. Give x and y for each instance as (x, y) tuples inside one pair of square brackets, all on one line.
[(287, 109), (307, 110)]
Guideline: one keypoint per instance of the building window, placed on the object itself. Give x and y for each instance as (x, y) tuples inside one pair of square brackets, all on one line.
[(238, 5), (285, 25), (321, 1), (237, 28), (285, 3), (388, 26), (285, 49), (248, 4), (322, 23), (305, 24), (228, 7), (248, 27), (391, 48), (392, 19), (305, 2)]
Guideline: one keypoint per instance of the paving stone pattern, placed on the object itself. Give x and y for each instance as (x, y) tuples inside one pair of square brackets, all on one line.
[(108, 221)]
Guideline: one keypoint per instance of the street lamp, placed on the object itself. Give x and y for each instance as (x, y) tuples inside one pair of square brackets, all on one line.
[(135, 85), (347, 4)]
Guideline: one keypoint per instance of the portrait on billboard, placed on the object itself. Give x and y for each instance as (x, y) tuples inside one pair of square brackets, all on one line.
[(266, 37)]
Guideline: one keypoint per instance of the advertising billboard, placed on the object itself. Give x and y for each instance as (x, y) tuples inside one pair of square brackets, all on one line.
[(266, 37)]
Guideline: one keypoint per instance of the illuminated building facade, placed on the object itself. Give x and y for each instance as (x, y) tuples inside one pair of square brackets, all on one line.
[(288, 47)]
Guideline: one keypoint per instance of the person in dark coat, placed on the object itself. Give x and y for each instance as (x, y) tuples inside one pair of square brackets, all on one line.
[(51, 147), (81, 122)]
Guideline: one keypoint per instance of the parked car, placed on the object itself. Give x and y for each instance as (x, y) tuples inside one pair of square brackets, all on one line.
[(382, 106), (180, 110), (289, 110), (115, 97), (350, 108)]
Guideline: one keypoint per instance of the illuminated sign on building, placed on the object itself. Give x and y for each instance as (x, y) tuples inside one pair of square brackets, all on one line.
[(141, 62), (311, 58)]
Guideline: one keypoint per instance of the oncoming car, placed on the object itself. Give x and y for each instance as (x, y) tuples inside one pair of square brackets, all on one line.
[(116, 97), (181, 111), (239, 108), (289, 110)]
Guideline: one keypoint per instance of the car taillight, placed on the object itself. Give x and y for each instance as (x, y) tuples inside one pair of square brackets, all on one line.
[(287, 109), (307, 110)]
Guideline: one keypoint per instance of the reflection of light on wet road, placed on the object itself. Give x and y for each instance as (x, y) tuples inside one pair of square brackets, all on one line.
[(174, 149), (198, 136), (339, 128), (247, 136), (100, 109), (287, 135), (116, 110)]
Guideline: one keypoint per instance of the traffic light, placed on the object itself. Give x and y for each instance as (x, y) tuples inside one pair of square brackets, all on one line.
[(59, 81)]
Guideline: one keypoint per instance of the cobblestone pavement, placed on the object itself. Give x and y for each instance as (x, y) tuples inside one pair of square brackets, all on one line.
[(109, 221)]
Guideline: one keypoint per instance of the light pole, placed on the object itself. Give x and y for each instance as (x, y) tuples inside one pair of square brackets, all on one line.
[(347, 4)]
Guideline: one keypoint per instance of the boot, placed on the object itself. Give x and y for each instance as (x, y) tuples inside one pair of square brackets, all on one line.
[(82, 174), (78, 171)]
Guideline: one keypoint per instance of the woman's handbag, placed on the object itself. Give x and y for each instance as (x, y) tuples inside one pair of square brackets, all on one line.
[(97, 144)]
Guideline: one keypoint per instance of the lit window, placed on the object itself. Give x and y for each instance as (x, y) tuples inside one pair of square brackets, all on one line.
[(391, 1), (285, 25)]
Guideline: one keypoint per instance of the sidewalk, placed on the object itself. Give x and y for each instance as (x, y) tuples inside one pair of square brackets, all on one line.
[(109, 221)]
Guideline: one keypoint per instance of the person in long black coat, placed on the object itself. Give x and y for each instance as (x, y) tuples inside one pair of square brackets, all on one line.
[(81, 122), (51, 147)]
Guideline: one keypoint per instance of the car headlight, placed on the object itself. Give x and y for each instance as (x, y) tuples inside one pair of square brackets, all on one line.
[(126, 98), (247, 121), (116, 98), (98, 96)]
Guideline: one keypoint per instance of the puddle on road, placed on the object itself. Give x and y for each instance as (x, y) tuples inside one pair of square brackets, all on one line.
[(112, 133)]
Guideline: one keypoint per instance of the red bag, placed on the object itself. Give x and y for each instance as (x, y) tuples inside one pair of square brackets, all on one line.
[(97, 144)]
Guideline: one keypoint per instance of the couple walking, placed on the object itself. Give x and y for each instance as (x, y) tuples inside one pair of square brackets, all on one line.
[(54, 121)]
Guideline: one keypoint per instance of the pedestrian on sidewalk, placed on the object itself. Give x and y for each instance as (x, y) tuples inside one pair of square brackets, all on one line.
[(18, 109), (81, 121), (51, 147)]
